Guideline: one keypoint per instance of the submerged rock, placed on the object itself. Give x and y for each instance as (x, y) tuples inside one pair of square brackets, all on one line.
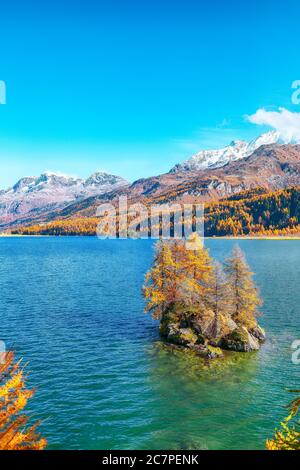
[(214, 352), (206, 351)]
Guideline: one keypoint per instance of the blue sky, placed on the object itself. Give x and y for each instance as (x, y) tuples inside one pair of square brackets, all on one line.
[(133, 87)]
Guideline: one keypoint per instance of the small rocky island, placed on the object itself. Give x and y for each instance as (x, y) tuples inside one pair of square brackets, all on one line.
[(202, 305)]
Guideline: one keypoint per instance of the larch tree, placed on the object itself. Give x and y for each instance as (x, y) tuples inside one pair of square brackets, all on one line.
[(179, 276), (219, 296), (288, 436), (15, 434), (161, 286), (244, 296), (197, 266)]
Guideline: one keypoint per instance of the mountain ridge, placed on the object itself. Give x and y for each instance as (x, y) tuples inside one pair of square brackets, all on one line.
[(270, 167), (38, 194), (236, 150)]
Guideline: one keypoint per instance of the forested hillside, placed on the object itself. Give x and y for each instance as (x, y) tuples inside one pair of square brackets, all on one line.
[(255, 213), (247, 213)]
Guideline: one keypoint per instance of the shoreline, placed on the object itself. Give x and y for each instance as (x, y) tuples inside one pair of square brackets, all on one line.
[(275, 237)]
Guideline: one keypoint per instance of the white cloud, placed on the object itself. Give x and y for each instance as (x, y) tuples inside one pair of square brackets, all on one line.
[(285, 122)]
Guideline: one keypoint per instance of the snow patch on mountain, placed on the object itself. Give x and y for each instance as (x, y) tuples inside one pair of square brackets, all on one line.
[(52, 190), (236, 150)]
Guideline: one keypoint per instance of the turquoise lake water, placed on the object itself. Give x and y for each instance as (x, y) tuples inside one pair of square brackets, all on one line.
[(72, 308)]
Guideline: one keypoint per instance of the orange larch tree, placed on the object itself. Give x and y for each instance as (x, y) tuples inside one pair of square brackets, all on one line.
[(15, 433)]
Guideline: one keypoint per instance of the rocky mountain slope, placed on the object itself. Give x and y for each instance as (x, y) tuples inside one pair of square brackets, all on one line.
[(36, 195)]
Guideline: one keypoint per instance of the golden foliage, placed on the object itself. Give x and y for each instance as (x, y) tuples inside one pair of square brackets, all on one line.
[(288, 436), (243, 295), (178, 275), (255, 213), (77, 226), (14, 435), (189, 280)]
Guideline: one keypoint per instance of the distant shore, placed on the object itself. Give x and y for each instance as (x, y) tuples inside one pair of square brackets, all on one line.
[(278, 237), (20, 235)]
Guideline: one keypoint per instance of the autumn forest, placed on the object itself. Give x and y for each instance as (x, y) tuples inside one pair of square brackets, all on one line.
[(249, 213)]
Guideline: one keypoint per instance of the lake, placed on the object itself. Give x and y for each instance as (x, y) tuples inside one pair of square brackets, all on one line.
[(72, 308)]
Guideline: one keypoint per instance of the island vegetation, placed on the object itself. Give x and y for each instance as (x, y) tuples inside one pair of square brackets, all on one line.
[(15, 433), (202, 305)]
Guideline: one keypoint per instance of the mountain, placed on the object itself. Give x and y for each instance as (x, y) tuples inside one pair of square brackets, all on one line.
[(51, 197), (35, 195), (238, 149), (270, 168)]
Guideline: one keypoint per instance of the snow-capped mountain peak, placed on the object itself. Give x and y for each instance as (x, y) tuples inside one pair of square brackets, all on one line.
[(103, 178), (33, 194), (23, 184), (236, 150), (268, 138)]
